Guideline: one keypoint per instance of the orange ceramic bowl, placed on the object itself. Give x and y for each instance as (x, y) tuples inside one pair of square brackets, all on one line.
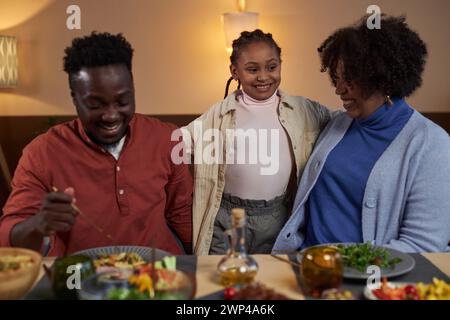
[(15, 284)]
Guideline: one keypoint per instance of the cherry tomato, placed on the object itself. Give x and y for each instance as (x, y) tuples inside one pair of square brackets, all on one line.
[(229, 293), (409, 289)]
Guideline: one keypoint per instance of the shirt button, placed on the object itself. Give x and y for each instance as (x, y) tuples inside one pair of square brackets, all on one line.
[(283, 121), (295, 147), (370, 203), (121, 191), (118, 168), (317, 165)]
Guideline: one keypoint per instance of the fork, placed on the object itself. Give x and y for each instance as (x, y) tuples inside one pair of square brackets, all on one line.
[(88, 219)]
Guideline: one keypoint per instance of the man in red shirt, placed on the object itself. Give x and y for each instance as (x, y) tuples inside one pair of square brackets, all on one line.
[(112, 164)]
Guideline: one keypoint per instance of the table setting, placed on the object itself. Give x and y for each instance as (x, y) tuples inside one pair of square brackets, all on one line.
[(278, 276)]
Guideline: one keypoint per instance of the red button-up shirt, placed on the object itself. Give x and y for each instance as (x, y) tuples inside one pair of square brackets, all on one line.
[(140, 199)]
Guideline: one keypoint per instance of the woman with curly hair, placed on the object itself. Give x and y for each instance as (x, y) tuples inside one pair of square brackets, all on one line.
[(380, 171)]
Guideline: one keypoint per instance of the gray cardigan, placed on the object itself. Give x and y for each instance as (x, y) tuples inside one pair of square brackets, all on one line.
[(406, 203)]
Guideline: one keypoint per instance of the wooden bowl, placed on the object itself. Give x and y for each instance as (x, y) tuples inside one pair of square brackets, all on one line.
[(15, 284)]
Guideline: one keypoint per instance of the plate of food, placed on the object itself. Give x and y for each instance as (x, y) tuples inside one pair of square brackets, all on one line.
[(121, 257), (159, 281), (357, 257), (437, 290)]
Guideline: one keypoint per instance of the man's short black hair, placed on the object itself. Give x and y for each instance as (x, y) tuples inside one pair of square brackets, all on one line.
[(96, 50), (389, 60)]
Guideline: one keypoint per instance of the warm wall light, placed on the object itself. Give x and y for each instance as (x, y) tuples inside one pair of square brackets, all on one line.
[(8, 78), (236, 22), (8, 62)]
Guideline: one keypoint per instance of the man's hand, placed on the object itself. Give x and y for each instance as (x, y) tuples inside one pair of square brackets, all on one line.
[(56, 213)]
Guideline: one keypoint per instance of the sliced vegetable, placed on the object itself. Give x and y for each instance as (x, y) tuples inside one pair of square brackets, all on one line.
[(170, 263)]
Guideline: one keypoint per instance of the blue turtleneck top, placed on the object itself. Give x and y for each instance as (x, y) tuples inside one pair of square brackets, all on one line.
[(333, 210)]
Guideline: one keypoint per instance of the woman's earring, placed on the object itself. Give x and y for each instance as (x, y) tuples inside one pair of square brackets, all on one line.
[(389, 101)]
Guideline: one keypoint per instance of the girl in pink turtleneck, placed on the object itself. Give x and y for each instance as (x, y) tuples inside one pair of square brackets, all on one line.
[(272, 135)]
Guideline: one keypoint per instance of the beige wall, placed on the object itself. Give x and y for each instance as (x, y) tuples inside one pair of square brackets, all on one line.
[(180, 63)]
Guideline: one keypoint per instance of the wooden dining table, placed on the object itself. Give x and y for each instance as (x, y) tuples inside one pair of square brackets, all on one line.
[(273, 273)]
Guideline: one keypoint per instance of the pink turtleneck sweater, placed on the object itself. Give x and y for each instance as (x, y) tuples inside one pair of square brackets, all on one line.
[(262, 165)]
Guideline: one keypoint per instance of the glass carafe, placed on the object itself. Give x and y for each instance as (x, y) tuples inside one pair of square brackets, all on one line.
[(237, 267)]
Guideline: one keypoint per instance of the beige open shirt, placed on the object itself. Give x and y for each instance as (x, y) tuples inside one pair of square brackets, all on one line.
[(302, 119)]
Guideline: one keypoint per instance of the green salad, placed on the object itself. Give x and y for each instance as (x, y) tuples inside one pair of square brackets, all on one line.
[(360, 256)]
